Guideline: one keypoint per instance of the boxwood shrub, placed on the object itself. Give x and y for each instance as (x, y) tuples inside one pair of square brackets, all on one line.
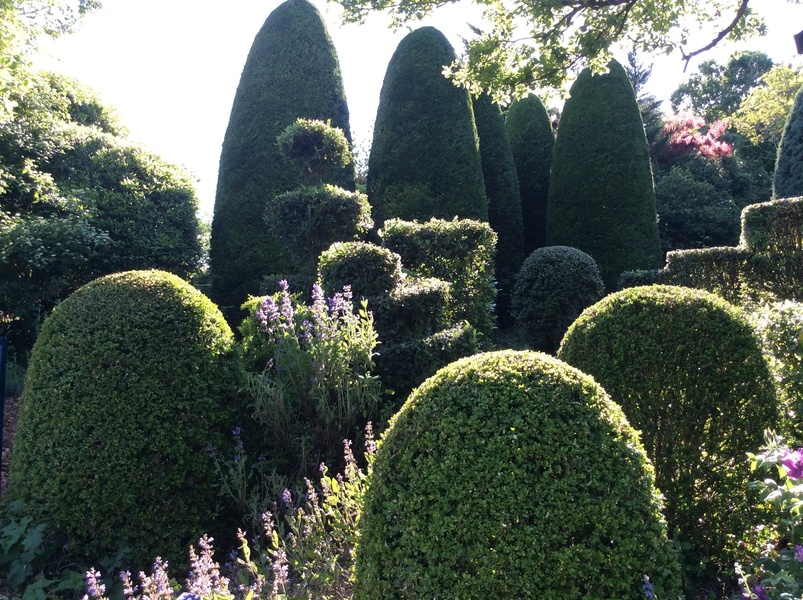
[(131, 378), (370, 270), (689, 373), (553, 286), (512, 475)]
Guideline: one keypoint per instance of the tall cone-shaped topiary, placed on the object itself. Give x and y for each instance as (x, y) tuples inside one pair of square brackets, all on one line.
[(601, 196), (788, 180), (292, 71), (504, 201), (531, 142), (425, 159)]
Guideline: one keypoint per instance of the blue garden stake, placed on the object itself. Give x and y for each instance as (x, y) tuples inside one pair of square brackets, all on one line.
[(3, 349)]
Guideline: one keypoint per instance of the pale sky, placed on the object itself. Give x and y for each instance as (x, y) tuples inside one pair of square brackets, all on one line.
[(171, 67)]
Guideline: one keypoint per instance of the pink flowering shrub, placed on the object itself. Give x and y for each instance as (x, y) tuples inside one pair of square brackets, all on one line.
[(686, 134)]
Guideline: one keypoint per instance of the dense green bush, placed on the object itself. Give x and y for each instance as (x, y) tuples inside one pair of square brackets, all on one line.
[(512, 475), (601, 197), (555, 284), (531, 141), (689, 373), (788, 179), (318, 149), (458, 251), (504, 201), (291, 72), (130, 380), (425, 159), (370, 270)]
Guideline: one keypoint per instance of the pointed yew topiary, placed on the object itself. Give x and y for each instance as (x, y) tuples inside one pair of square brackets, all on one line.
[(531, 141), (601, 197), (788, 181), (504, 201), (292, 71), (425, 159)]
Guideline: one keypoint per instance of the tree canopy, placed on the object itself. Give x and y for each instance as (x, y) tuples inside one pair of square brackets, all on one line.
[(522, 42), (762, 115)]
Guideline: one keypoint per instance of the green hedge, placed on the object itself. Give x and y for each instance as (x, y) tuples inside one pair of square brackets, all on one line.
[(130, 380), (511, 475), (689, 373), (425, 159), (555, 284), (601, 196), (271, 95), (370, 270), (458, 251)]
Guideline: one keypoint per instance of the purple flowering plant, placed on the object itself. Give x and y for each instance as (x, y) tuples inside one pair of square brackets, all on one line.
[(776, 570)]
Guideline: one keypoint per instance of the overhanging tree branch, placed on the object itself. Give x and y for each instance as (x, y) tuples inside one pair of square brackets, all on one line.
[(720, 36)]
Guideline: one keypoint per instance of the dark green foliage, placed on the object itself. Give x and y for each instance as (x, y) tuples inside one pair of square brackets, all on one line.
[(458, 251), (511, 475), (425, 159), (555, 284), (688, 372), (788, 180), (601, 197), (319, 150), (414, 308), (291, 72), (531, 141), (504, 201), (130, 379), (310, 219), (370, 270)]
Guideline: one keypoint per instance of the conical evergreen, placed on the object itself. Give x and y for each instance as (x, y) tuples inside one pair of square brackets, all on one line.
[(425, 159), (504, 201), (292, 71), (531, 141), (788, 181), (601, 197)]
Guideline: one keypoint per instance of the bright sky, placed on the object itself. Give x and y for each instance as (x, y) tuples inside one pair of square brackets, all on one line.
[(171, 67)]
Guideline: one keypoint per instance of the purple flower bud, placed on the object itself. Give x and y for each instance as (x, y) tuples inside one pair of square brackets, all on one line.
[(793, 463)]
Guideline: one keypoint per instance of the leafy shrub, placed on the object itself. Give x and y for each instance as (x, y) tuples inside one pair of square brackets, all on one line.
[(414, 308), (689, 374), (368, 269), (553, 287), (503, 468), (316, 388), (131, 378), (458, 251), (317, 148)]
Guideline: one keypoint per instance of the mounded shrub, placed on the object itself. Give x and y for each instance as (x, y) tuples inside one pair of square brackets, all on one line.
[(130, 380), (688, 371), (504, 201), (425, 159), (270, 97), (531, 142), (511, 475), (318, 149), (788, 180), (370, 270), (555, 284), (609, 211)]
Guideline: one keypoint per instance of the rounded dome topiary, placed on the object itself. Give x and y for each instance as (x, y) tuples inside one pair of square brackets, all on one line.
[(554, 285), (131, 378), (689, 373), (512, 475), (370, 270)]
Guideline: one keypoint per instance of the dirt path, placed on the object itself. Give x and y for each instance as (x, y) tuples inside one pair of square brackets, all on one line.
[(9, 426)]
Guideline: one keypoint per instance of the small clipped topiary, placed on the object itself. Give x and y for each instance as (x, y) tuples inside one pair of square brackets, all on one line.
[(555, 284), (690, 375), (512, 475), (130, 380), (369, 269)]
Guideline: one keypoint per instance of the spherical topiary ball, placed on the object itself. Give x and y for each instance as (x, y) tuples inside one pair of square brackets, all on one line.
[(553, 286), (688, 371), (370, 270), (131, 378), (511, 475)]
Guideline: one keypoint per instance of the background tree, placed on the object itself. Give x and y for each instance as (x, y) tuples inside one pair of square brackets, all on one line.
[(716, 91), (425, 159), (609, 212), (546, 42), (788, 180), (271, 95), (504, 200), (649, 106), (531, 141)]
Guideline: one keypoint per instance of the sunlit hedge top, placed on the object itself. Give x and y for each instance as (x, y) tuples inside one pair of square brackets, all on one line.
[(425, 159), (511, 475)]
